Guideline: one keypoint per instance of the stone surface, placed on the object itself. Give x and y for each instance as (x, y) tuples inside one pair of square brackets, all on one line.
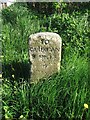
[(45, 54)]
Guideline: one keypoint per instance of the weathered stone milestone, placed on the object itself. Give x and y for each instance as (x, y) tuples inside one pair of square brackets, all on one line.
[(45, 54)]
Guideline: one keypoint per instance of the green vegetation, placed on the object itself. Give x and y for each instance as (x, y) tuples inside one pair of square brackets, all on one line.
[(63, 95)]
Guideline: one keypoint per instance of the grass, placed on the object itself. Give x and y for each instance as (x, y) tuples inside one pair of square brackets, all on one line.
[(62, 95)]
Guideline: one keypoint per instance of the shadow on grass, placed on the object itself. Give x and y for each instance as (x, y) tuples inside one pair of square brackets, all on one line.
[(17, 70), (16, 76)]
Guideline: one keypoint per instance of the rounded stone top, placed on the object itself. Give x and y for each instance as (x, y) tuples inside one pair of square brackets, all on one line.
[(44, 34)]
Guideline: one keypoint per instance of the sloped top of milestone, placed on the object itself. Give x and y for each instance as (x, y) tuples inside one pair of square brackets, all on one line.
[(43, 34)]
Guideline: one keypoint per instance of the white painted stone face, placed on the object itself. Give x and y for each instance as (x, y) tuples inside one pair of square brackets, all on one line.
[(45, 54)]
